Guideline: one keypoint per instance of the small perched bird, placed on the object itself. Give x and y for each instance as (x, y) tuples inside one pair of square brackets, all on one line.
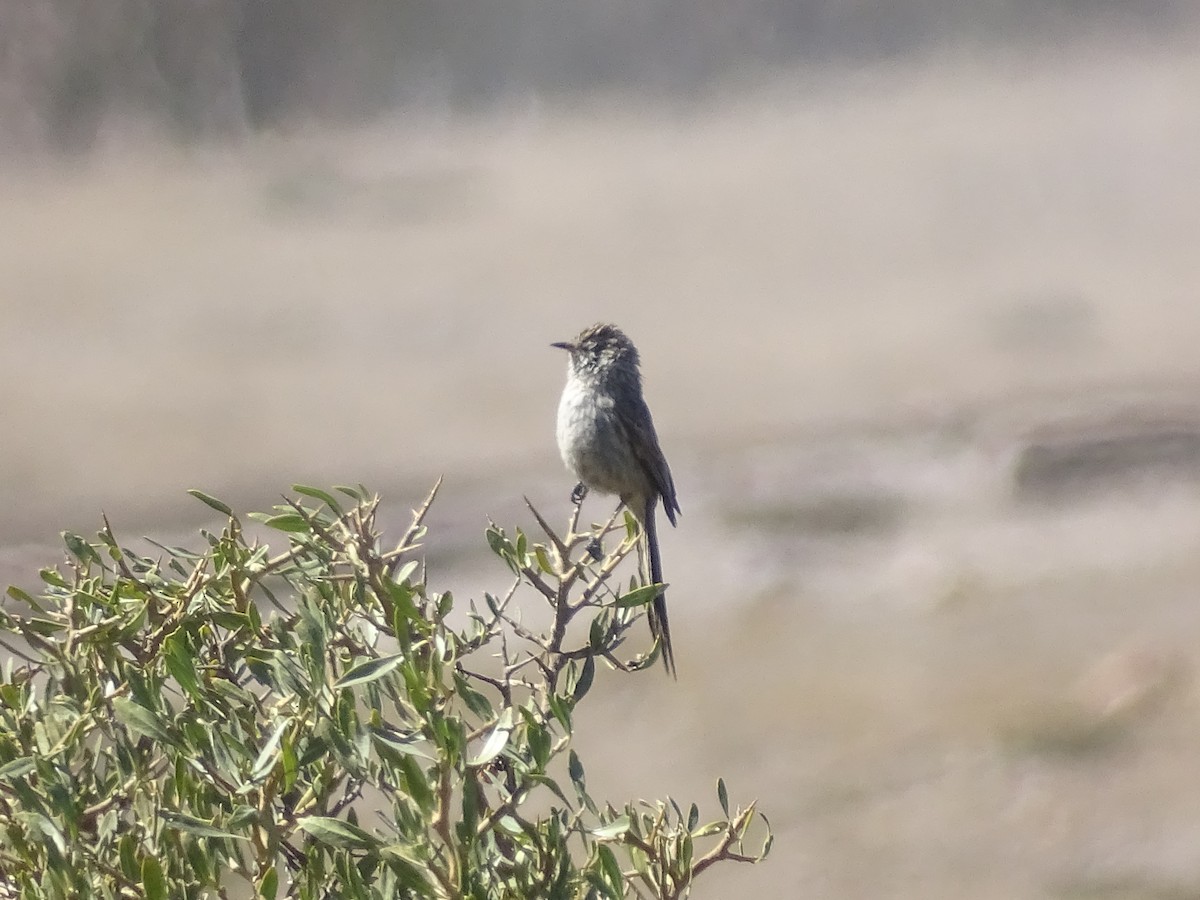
[(607, 439)]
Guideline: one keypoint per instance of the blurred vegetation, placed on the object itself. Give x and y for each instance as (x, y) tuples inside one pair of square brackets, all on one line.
[(203, 68), (318, 723)]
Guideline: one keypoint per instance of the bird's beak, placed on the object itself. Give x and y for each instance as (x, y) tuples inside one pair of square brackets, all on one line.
[(563, 345)]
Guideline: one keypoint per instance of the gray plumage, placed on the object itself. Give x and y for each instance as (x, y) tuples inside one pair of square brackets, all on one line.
[(607, 439)]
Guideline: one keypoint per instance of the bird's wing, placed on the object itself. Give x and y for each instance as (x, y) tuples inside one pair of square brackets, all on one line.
[(644, 441)]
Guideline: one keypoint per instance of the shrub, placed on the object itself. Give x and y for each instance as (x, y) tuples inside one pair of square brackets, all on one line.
[(318, 723)]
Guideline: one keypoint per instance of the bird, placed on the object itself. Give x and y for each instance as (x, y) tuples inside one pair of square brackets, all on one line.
[(607, 440)]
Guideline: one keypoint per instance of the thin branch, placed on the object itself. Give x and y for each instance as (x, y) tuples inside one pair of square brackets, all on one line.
[(406, 542), (559, 546), (734, 833), (15, 652)]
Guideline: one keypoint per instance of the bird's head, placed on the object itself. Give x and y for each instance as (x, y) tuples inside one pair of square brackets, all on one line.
[(598, 349)]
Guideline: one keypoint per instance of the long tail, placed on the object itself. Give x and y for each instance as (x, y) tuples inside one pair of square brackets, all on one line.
[(660, 627)]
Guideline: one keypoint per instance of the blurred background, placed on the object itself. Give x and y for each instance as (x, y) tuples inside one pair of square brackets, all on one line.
[(915, 289)]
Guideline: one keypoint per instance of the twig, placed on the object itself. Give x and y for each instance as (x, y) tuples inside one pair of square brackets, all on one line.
[(406, 542), (559, 546)]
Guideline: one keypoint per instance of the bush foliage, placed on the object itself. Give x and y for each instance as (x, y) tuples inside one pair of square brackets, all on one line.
[(317, 723)]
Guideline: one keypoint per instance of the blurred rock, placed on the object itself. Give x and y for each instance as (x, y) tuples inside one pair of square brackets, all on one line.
[(834, 515), (1044, 323), (1129, 680), (1102, 708), (1072, 458)]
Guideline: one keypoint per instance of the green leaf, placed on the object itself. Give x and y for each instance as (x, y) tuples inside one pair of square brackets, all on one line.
[(722, 796), (475, 701), (337, 833), (551, 785), (268, 885), (402, 744), (416, 782), (318, 494), (141, 720), (200, 859), (709, 829), (290, 767), (498, 541), (675, 807), (496, 740), (212, 502), (181, 662), (585, 679), (369, 671), (241, 817), (35, 821), (631, 525), (612, 870), (291, 522), (180, 552), (502, 547), (126, 851), (357, 494), (135, 620), (24, 596), (575, 770), (597, 632), (404, 572), (192, 825), (639, 596), (266, 757), (613, 829), (233, 621), (744, 820), (79, 548), (311, 749), (410, 871), (52, 577), (561, 707), (510, 825), (153, 882), (44, 627), (18, 767), (538, 739), (471, 796)]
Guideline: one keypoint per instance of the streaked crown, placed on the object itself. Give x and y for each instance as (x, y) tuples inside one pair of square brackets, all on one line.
[(599, 348)]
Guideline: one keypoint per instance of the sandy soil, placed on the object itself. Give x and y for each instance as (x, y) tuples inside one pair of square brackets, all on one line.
[(920, 342)]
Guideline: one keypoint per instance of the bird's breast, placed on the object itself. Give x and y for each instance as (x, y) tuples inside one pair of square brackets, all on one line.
[(593, 444)]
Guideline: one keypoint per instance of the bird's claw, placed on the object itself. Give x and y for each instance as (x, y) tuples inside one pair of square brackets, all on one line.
[(578, 493)]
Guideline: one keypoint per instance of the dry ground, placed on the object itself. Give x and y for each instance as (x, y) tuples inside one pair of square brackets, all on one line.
[(947, 667)]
